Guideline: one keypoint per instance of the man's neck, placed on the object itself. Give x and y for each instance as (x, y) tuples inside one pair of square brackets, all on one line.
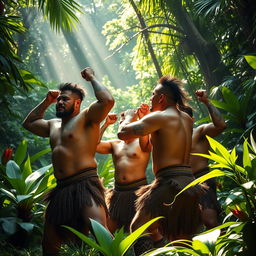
[(65, 120)]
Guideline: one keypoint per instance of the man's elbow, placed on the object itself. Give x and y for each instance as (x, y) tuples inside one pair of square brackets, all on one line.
[(223, 126), (121, 135), (109, 102), (25, 124)]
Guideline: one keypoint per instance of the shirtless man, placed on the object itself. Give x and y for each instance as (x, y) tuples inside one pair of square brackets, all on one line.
[(130, 163), (210, 206), (171, 133), (74, 135)]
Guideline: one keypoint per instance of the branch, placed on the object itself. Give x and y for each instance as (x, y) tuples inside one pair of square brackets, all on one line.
[(141, 31)]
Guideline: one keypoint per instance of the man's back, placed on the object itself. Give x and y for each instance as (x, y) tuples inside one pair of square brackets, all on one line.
[(172, 141), (200, 145)]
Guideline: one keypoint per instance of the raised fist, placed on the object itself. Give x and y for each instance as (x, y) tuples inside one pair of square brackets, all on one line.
[(111, 118), (87, 74), (202, 96), (52, 95), (143, 110)]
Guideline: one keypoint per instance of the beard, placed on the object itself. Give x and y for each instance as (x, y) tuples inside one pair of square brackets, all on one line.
[(65, 113)]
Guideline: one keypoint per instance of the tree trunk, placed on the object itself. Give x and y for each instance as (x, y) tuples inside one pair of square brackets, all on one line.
[(207, 54), (145, 33)]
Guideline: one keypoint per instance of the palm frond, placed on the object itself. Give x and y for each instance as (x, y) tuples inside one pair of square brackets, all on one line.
[(61, 13)]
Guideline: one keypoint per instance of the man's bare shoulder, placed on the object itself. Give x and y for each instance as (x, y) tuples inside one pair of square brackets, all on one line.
[(114, 141), (54, 121), (198, 131), (157, 115)]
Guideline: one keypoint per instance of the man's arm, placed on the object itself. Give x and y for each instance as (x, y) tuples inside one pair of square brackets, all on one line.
[(98, 110), (148, 124), (218, 124), (105, 147), (145, 143), (34, 121)]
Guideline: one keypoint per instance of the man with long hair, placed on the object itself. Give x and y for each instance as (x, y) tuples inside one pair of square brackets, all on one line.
[(171, 132)]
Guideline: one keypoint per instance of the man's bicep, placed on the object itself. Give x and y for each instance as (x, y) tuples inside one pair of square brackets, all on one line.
[(211, 130), (98, 111), (39, 127), (104, 147), (144, 127)]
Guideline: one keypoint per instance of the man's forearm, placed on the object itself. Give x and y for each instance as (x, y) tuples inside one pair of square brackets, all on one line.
[(102, 130), (37, 112), (216, 117)]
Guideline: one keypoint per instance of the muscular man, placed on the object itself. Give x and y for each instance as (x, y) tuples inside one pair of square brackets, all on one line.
[(130, 163), (171, 133), (74, 135), (210, 206)]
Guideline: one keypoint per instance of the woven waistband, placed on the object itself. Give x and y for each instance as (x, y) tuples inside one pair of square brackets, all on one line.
[(174, 170), (201, 172), (86, 173), (134, 185)]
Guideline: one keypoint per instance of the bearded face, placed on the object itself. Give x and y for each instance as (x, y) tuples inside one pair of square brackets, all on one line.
[(65, 104), (62, 112)]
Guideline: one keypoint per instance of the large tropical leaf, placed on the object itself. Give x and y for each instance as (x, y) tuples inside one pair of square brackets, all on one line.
[(33, 180), (103, 236), (39, 154), (129, 240), (21, 152), (251, 61), (88, 241), (211, 174), (61, 13)]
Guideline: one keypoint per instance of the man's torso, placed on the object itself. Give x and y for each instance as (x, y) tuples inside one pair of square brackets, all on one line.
[(73, 145), (129, 160)]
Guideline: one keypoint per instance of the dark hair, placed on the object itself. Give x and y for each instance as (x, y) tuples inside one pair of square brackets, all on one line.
[(75, 88), (187, 109), (172, 87)]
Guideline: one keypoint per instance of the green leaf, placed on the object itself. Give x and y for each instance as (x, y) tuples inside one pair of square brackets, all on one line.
[(219, 159), (42, 186), (103, 236), (39, 154), (13, 170), (9, 194), (246, 158), (26, 169), (234, 198), (233, 156), (161, 251), (129, 240), (22, 197), (200, 247), (231, 99), (35, 176), (207, 241), (253, 142), (211, 174), (218, 148), (225, 225), (9, 224), (251, 60), (21, 152), (27, 226), (88, 241)]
